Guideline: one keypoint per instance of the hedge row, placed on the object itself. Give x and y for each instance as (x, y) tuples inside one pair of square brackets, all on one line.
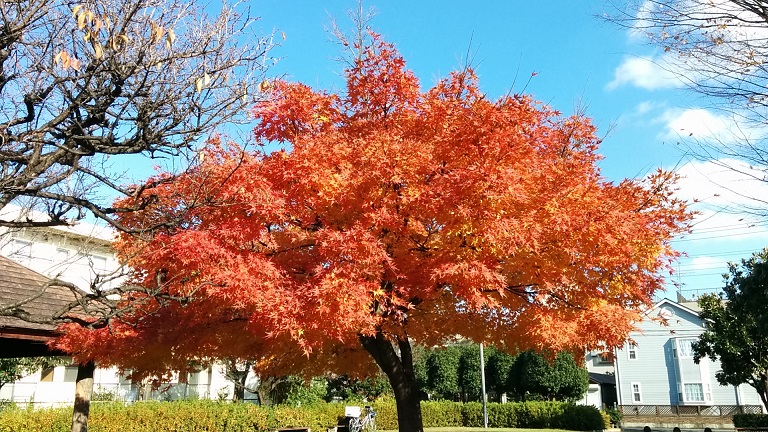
[(227, 417), (750, 420)]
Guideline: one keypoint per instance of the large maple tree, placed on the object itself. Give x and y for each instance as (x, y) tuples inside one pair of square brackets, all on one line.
[(392, 215)]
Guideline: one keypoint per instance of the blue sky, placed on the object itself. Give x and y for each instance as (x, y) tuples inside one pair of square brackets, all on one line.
[(580, 60)]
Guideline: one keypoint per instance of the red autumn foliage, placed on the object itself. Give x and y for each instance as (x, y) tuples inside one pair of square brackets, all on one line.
[(394, 215)]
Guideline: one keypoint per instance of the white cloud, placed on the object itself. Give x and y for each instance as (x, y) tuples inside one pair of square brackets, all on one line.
[(707, 263), (644, 72), (697, 123), (718, 190), (706, 127), (683, 31)]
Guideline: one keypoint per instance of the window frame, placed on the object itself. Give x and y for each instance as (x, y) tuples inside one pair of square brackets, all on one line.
[(637, 396), (632, 351), (685, 354)]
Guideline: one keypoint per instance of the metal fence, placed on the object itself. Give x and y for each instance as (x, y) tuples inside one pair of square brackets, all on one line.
[(687, 410)]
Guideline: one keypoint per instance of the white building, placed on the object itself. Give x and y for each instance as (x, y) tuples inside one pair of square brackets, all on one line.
[(82, 255)]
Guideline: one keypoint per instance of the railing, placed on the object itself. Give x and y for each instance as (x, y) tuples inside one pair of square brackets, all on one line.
[(54, 394), (687, 410)]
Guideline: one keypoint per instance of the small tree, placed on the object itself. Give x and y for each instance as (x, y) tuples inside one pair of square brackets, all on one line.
[(716, 48), (346, 387), (470, 382), (442, 367), (497, 371), (534, 377), (736, 330)]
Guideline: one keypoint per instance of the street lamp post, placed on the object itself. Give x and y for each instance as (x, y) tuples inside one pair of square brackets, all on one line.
[(482, 381)]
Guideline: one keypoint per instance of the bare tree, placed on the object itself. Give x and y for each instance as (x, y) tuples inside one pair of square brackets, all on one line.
[(718, 48), (83, 83)]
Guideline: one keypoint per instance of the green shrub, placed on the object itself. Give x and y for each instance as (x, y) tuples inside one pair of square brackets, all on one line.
[(502, 415), (750, 420), (472, 414), (441, 414), (537, 414), (386, 413), (615, 415), (41, 420), (580, 418)]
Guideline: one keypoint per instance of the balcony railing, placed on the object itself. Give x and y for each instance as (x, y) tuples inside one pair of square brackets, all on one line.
[(687, 410)]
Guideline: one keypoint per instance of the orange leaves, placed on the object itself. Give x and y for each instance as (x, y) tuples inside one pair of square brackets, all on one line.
[(379, 84), (293, 110), (436, 213)]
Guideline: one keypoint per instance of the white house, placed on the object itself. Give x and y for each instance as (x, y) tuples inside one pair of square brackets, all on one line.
[(82, 255)]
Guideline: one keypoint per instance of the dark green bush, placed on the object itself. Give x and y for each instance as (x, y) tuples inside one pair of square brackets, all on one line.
[(750, 420), (213, 416), (581, 418)]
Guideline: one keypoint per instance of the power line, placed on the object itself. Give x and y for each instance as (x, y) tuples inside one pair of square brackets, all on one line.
[(721, 236)]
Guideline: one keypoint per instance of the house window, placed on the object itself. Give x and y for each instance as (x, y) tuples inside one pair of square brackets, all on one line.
[(62, 255), (604, 358), (694, 392), (685, 348), (98, 263), (632, 351), (46, 375), (70, 374), (21, 251), (637, 396)]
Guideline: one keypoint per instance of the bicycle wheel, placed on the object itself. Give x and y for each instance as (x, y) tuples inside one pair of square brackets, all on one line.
[(355, 425), (370, 425)]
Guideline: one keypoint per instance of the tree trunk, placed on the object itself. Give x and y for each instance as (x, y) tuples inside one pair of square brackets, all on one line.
[(399, 371), (239, 393), (83, 393), (762, 389), (264, 390)]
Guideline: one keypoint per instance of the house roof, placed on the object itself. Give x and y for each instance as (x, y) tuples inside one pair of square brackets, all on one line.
[(602, 378), (79, 229), (35, 294), (690, 307)]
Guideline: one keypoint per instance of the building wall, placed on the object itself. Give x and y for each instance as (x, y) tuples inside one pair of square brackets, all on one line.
[(61, 253), (56, 387), (598, 362), (82, 255)]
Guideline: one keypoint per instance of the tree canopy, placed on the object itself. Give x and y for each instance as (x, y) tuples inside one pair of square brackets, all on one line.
[(391, 215), (736, 329), (534, 377)]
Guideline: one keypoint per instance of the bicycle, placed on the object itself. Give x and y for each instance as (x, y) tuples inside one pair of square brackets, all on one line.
[(364, 423)]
